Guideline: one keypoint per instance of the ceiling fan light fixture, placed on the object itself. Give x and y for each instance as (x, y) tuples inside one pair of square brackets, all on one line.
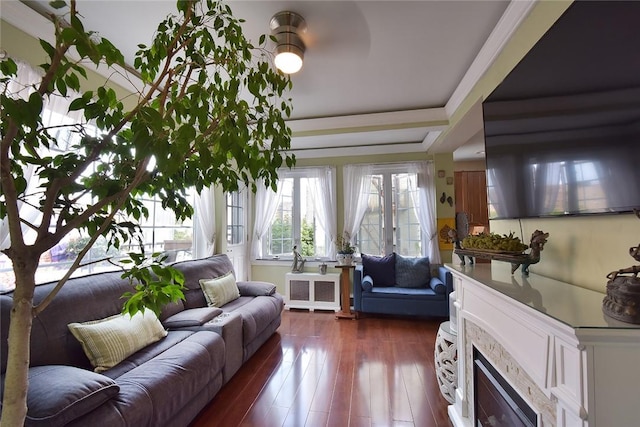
[(289, 53), (288, 62)]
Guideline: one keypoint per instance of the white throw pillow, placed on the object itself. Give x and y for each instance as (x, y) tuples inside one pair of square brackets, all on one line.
[(109, 341), (220, 290)]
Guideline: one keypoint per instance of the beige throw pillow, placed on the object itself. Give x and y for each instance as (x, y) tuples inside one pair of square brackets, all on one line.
[(109, 341), (220, 290)]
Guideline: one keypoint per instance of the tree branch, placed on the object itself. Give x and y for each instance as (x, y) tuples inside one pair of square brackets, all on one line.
[(121, 198)]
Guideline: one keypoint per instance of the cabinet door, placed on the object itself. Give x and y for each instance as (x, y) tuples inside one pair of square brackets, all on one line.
[(471, 196)]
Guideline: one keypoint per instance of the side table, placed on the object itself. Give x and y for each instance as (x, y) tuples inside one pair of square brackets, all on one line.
[(345, 287), (445, 357)]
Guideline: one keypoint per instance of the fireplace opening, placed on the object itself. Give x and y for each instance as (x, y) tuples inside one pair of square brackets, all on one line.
[(496, 403)]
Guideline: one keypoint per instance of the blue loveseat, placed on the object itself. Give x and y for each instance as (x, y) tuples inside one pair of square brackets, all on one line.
[(403, 286)]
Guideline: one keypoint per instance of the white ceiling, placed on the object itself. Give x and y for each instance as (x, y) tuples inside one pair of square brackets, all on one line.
[(378, 76)]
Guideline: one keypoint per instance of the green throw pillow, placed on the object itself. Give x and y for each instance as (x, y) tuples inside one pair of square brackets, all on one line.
[(220, 290), (109, 341)]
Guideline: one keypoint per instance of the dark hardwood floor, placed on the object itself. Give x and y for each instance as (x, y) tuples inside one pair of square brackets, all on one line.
[(320, 371)]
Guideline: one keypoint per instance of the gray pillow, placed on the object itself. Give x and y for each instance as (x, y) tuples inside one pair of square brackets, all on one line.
[(412, 272), (60, 394)]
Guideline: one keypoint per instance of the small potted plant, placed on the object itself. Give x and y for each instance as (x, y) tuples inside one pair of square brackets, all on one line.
[(345, 249)]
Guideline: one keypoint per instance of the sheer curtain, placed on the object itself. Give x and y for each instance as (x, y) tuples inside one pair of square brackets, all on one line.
[(266, 205), (425, 209), (55, 112), (357, 180), (206, 215), (325, 204)]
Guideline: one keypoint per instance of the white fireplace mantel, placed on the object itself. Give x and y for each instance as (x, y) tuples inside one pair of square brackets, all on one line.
[(553, 344)]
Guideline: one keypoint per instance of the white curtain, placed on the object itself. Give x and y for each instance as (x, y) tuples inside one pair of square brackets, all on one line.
[(357, 180), (325, 204), (205, 244), (266, 205), (55, 112), (425, 209)]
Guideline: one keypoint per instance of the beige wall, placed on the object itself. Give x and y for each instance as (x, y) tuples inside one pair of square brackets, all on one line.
[(475, 165), (580, 250)]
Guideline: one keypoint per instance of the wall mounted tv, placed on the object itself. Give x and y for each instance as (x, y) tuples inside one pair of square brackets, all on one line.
[(562, 131)]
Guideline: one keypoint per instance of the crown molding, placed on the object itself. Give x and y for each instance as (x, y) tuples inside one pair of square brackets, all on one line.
[(431, 118), (516, 12), (359, 150)]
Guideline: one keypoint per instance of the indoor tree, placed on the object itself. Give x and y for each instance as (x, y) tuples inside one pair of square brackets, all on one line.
[(210, 112)]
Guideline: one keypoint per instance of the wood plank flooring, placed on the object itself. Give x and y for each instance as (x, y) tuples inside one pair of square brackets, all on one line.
[(320, 371)]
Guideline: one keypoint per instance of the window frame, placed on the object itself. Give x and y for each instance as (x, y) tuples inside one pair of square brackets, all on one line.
[(390, 200), (297, 175)]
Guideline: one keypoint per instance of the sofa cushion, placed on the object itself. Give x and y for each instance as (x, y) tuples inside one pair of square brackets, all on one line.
[(220, 290), (192, 317), (395, 293), (381, 269), (367, 283), (109, 341), (59, 394), (412, 272)]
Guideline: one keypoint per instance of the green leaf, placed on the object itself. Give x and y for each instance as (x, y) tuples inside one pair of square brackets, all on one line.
[(8, 67), (46, 46), (58, 4)]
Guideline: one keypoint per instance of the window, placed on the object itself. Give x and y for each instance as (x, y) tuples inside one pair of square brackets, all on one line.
[(235, 218), (390, 223), (161, 231), (299, 218)]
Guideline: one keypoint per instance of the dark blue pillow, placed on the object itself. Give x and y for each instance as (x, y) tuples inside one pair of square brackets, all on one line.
[(412, 272), (381, 269)]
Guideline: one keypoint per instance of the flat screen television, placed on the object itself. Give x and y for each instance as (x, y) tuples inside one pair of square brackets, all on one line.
[(562, 131)]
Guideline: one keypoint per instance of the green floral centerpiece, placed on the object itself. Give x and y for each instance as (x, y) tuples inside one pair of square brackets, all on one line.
[(345, 249)]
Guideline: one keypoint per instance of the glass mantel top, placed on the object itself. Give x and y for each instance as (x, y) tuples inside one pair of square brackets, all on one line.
[(575, 306)]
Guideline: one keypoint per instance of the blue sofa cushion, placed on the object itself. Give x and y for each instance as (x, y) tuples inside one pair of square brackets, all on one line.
[(412, 272), (59, 394), (393, 293), (381, 269), (367, 283)]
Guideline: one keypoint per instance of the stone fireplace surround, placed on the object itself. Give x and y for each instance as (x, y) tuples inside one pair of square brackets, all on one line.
[(551, 342)]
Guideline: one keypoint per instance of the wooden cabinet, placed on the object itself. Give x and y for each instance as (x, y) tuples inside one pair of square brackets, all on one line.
[(471, 196)]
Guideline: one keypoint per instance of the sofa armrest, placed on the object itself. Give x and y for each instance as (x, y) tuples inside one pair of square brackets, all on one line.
[(446, 277), (357, 287), (59, 394), (191, 317), (255, 288), (437, 286)]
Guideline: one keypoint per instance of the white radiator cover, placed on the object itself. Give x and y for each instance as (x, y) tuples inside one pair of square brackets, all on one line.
[(312, 291)]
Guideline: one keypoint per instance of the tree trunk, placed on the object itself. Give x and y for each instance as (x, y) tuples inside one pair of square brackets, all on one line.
[(14, 404)]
